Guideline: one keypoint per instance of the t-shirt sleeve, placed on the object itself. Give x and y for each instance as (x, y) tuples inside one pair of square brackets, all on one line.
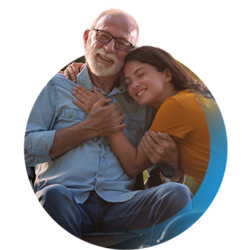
[(173, 118)]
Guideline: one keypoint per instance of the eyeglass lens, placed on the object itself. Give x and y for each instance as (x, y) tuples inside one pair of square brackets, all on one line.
[(105, 37)]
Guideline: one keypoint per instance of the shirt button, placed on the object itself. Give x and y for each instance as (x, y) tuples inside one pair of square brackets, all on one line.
[(70, 116), (103, 157), (102, 141), (140, 129), (128, 125), (99, 176), (97, 188), (25, 151)]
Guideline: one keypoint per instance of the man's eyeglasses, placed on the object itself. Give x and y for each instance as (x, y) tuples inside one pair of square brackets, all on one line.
[(120, 44)]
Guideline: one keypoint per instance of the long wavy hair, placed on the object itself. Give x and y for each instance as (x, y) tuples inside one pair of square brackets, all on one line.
[(161, 60)]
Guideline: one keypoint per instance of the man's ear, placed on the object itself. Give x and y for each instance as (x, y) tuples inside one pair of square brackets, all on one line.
[(85, 37), (168, 75)]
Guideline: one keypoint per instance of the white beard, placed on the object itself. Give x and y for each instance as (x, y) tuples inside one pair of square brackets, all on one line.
[(100, 69)]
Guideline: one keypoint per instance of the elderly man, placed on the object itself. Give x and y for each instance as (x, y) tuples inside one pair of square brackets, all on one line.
[(79, 181)]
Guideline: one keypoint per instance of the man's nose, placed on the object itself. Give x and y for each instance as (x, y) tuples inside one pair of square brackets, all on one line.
[(110, 46)]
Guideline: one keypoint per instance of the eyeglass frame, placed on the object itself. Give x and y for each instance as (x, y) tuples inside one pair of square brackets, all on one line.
[(113, 37)]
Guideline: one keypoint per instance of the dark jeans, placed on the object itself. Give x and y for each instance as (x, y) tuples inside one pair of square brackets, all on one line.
[(151, 207)]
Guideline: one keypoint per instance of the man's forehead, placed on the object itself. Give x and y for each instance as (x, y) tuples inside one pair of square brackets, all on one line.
[(116, 23)]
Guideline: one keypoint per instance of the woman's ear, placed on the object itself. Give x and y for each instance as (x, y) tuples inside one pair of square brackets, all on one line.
[(168, 75)]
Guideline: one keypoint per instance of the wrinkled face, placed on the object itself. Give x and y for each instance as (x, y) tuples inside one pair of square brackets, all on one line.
[(145, 84), (104, 59)]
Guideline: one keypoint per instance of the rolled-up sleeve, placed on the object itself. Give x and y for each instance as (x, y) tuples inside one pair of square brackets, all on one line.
[(39, 135)]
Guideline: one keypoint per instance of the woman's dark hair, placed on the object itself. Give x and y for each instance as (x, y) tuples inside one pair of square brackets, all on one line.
[(161, 60)]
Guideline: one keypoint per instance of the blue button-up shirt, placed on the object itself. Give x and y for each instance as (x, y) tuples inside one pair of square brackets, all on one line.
[(92, 165)]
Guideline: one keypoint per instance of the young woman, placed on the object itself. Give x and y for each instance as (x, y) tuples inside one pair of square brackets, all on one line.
[(154, 78)]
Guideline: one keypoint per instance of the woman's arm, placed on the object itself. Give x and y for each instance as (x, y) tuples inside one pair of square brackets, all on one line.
[(132, 159)]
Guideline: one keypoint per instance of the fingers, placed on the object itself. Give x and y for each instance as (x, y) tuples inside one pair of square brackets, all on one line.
[(165, 136), (153, 147), (122, 119), (121, 127), (149, 151), (80, 95), (85, 96), (73, 70), (102, 102), (115, 106), (160, 138), (80, 89), (81, 105), (151, 139), (68, 73), (82, 67), (98, 93)]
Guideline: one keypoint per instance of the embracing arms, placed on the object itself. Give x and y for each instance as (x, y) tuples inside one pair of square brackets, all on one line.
[(160, 148), (102, 120), (154, 148)]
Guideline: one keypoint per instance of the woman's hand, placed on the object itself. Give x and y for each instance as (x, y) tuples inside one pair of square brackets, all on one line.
[(86, 98), (73, 70)]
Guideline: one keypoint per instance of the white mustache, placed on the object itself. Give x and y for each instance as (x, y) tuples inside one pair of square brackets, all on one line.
[(108, 55)]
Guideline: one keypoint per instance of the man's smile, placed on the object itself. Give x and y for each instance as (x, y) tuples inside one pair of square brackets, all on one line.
[(105, 58)]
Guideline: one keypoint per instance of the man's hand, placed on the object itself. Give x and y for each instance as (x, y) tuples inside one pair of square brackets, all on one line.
[(105, 119), (86, 98), (101, 121), (160, 148), (73, 70)]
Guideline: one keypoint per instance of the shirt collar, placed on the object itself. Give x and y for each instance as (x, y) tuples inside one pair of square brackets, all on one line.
[(84, 80)]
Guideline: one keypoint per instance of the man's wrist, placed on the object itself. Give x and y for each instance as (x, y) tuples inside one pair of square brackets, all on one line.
[(87, 130)]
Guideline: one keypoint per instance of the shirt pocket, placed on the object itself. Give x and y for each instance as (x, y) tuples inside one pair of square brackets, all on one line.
[(135, 130), (69, 117)]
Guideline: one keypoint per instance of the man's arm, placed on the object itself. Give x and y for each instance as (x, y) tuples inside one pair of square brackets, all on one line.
[(68, 138), (101, 121), (43, 143)]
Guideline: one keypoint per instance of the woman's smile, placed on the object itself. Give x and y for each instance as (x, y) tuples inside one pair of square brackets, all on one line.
[(140, 92)]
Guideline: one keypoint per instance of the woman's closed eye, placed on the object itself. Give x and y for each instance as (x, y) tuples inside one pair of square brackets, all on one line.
[(140, 75)]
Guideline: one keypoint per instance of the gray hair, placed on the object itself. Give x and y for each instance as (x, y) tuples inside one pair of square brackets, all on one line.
[(116, 12)]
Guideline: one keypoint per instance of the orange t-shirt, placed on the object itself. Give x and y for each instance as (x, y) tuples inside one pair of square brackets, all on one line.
[(182, 115)]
